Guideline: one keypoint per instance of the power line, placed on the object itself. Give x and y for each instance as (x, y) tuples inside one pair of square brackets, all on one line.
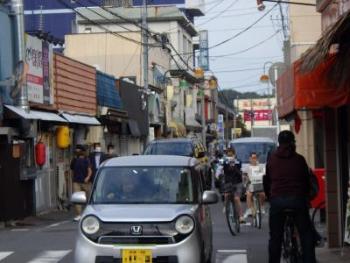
[(218, 15), (243, 31), (129, 21), (98, 24), (237, 70), (247, 49)]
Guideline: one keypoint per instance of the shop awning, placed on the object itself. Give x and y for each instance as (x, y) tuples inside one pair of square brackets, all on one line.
[(35, 115), (80, 119), (134, 128), (313, 90), (310, 90)]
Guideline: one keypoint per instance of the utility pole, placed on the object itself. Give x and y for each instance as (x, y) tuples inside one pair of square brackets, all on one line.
[(145, 44), (204, 128), (145, 61), (17, 11)]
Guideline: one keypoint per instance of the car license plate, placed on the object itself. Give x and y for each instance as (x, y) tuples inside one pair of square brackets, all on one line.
[(137, 256)]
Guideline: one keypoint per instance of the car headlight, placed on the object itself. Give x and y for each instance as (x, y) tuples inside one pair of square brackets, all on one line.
[(90, 225), (184, 225)]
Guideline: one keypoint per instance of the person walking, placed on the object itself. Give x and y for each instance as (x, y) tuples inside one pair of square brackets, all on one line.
[(81, 168), (110, 153), (287, 184), (96, 158)]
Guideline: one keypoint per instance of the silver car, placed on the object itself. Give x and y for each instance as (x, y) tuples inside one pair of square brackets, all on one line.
[(146, 209)]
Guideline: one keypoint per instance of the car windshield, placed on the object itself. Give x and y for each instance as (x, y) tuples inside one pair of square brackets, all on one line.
[(143, 185), (243, 150), (170, 148)]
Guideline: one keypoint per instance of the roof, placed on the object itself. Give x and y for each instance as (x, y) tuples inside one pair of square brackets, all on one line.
[(172, 140), (252, 140), (154, 14), (150, 160)]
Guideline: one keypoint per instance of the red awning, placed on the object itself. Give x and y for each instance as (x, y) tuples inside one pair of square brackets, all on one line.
[(310, 90)]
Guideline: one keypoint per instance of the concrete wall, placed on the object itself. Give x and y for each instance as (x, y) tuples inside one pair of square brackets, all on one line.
[(179, 38), (114, 55), (305, 30)]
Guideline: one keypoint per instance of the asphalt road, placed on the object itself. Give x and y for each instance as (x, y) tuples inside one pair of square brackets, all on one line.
[(54, 242)]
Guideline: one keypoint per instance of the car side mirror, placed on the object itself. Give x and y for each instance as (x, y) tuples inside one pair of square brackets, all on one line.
[(210, 197), (79, 198), (201, 155)]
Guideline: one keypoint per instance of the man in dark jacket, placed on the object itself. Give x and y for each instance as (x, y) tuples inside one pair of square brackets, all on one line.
[(287, 184)]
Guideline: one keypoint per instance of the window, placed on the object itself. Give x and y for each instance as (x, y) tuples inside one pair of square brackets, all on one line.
[(145, 185)]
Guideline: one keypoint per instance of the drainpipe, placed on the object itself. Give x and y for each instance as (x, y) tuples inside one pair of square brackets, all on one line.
[(18, 14)]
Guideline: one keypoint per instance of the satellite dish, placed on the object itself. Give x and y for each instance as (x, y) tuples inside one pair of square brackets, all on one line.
[(275, 71)]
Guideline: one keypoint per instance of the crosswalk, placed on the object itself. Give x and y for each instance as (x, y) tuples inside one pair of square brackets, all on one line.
[(48, 256), (54, 256), (231, 255)]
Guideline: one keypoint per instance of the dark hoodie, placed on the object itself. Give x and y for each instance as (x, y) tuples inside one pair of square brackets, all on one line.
[(287, 173)]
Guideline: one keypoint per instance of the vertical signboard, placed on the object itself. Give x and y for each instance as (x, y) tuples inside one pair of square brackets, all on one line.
[(203, 50), (38, 58), (221, 127)]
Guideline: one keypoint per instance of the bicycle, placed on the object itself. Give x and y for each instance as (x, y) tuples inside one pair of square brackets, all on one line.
[(232, 215), (291, 247), (256, 188)]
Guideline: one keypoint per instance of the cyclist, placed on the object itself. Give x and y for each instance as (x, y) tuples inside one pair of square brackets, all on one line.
[(232, 180), (287, 184), (255, 170)]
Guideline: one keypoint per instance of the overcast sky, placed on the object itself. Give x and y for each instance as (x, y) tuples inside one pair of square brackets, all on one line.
[(225, 18)]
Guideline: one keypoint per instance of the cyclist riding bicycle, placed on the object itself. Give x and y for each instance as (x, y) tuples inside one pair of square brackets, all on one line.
[(231, 169), (287, 184), (255, 173)]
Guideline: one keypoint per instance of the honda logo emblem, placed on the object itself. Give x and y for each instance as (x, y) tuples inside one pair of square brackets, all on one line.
[(136, 230)]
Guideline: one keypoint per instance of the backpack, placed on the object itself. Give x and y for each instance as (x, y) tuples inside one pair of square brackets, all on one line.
[(314, 187)]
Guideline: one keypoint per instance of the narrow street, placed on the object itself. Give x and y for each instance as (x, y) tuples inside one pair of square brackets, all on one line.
[(54, 242)]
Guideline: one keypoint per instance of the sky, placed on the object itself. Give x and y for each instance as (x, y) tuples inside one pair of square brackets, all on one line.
[(241, 70)]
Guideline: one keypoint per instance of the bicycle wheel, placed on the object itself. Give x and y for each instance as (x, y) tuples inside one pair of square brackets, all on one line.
[(257, 212), (288, 249), (231, 218)]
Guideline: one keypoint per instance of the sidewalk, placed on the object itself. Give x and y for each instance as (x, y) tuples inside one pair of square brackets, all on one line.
[(333, 255), (43, 219)]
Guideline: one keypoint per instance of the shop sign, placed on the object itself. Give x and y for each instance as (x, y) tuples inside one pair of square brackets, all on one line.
[(203, 50), (259, 115), (39, 60)]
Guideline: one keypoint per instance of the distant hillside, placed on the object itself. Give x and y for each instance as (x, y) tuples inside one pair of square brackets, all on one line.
[(228, 96)]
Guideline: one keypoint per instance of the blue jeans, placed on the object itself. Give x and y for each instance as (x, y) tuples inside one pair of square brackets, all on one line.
[(303, 224)]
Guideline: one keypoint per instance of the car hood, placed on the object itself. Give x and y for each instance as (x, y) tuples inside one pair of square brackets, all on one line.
[(139, 212)]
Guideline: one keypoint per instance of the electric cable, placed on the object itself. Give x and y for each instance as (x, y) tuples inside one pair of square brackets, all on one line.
[(249, 48), (244, 30), (219, 15)]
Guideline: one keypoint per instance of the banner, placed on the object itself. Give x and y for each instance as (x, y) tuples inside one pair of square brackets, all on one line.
[(259, 115), (203, 50), (38, 58)]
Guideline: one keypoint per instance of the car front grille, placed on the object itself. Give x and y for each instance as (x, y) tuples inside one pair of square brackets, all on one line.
[(156, 240), (107, 259)]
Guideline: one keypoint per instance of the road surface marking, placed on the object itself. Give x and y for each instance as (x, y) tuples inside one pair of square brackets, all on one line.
[(19, 229), (5, 254), (57, 224), (232, 255), (50, 256), (233, 251), (237, 258)]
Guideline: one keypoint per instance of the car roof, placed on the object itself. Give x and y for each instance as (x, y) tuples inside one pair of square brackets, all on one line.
[(171, 140), (151, 160), (252, 140)]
